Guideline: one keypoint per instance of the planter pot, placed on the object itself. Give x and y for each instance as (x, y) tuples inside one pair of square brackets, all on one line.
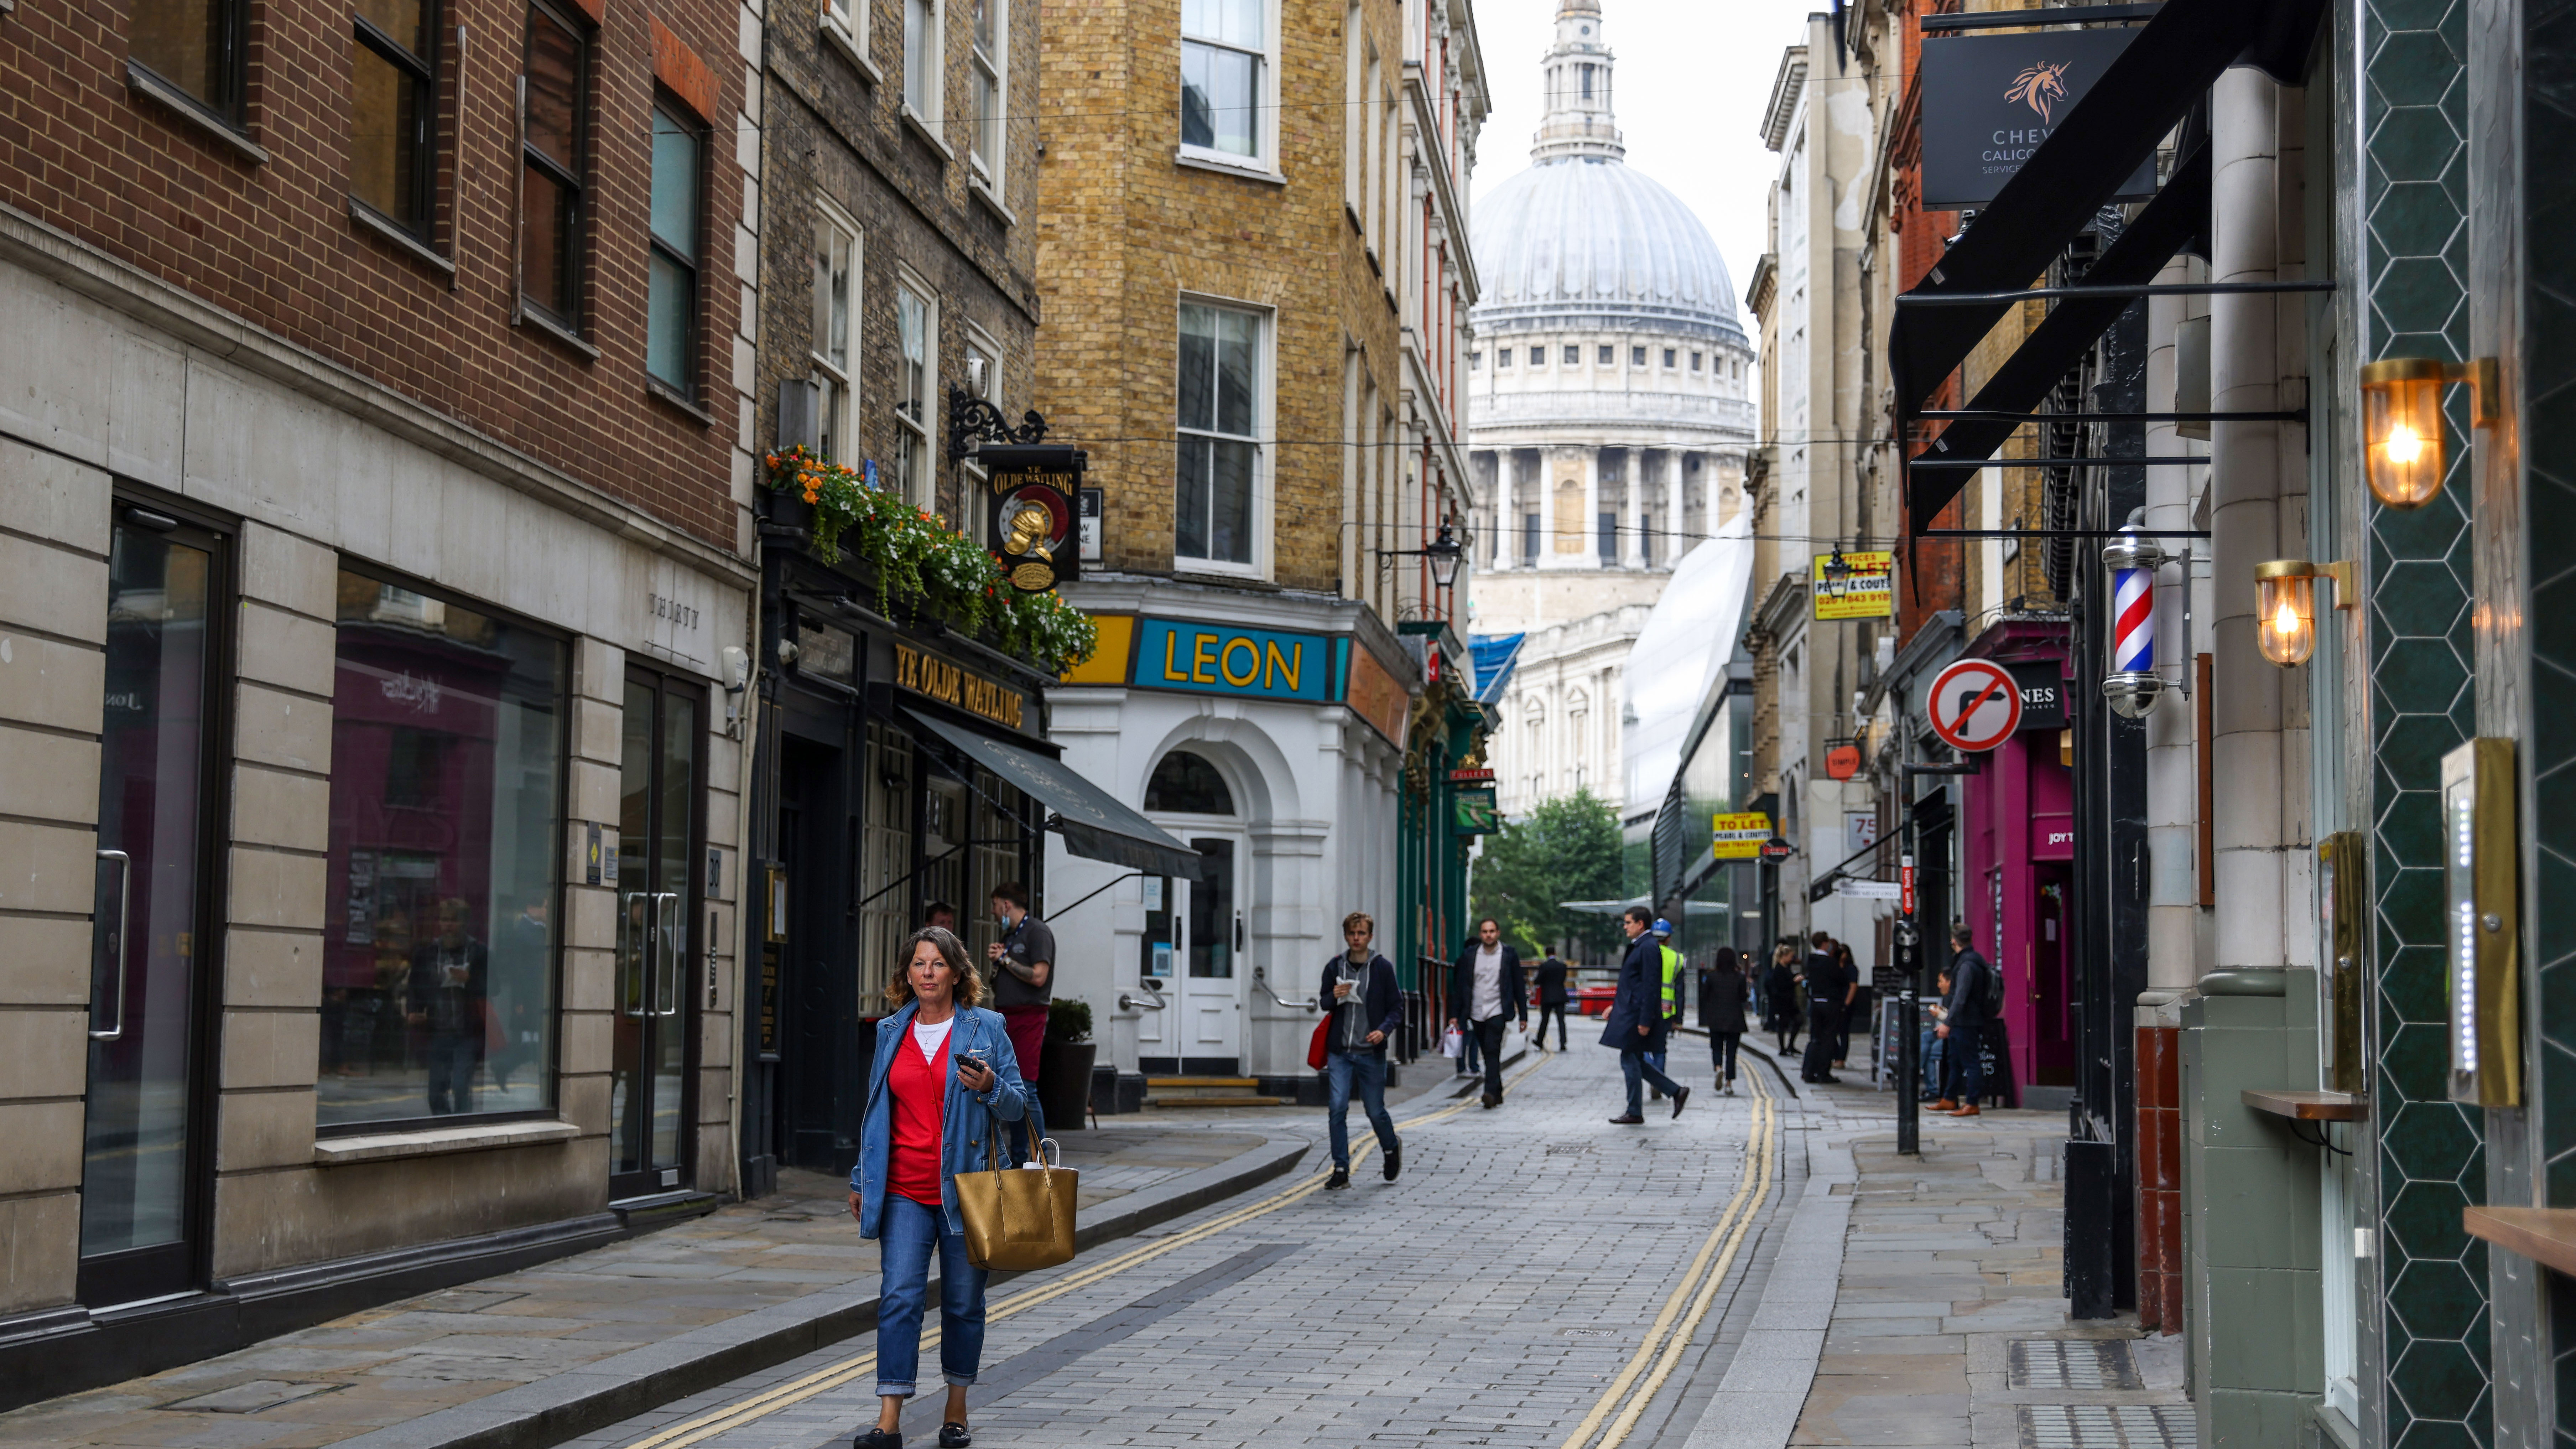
[(1064, 1084)]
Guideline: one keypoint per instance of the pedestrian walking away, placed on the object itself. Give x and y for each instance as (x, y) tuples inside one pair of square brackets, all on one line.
[(1855, 1005), (1828, 993), (1551, 999), (1721, 1010), (1669, 968), (1023, 990), (1486, 994), (1964, 1019), (1635, 1025), (1780, 991), (1360, 993), (944, 1073)]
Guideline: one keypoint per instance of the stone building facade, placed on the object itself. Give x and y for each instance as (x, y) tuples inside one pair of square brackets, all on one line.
[(374, 510)]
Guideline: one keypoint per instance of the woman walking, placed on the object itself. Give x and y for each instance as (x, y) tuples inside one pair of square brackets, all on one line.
[(1722, 1012), (1788, 1014), (943, 1067)]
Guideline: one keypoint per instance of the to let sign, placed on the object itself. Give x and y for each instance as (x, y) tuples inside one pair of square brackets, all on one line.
[(1740, 837), (1991, 101), (1865, 587)]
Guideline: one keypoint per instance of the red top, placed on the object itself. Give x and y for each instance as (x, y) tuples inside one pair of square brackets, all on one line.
[(920, 1091)]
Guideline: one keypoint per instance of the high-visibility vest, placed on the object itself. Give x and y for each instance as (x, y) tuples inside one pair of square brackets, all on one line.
[(1672, 980)]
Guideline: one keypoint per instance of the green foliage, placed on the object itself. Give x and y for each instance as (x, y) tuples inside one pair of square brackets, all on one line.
[(923, 566), (1068, 1019), (1565, 850)]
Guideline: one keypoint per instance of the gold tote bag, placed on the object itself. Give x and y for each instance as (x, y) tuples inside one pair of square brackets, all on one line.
[(1018, 1219)]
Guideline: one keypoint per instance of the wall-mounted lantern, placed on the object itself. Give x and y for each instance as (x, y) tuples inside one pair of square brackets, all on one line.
[(2285, 606), (2401, 422)]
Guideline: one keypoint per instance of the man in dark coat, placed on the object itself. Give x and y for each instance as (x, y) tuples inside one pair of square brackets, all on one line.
[(1552, 999), (1487, 993), (1635, 1025), (1828, 993), (1970, 977)]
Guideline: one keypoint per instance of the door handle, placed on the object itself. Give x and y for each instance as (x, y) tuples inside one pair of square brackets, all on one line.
[(639, 1002), (669, 942), (116, 941)]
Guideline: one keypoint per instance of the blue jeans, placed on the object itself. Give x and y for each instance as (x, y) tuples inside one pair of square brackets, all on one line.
[(1934, 1065), (1369, 1068), (1639, 1071), (904, 1246), (1971, 1068)]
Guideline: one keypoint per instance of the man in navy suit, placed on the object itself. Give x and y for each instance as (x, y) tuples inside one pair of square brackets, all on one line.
[(1636, 1022)]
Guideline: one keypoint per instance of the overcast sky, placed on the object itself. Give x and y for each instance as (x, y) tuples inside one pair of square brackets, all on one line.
[(1693, 76)]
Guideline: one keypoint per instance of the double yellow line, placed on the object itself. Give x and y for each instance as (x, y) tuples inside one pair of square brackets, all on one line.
[(1670, 1336), (849, 1370)]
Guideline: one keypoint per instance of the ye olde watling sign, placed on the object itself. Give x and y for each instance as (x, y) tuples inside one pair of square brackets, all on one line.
[(1034, 529), (932, 677), (1991, 101)]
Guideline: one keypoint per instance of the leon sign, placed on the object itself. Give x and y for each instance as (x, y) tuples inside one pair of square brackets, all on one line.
[(1991, 101)]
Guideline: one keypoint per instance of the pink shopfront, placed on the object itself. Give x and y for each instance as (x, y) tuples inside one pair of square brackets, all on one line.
[(2018, 860)]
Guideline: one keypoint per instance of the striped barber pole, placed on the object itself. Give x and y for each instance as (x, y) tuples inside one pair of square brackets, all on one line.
[(2133, 615)]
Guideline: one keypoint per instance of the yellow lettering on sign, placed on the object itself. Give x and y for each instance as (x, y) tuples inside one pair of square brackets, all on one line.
[(1273, 666), (938, 679), (1171, 668), (1225, 662), (1202, 655)]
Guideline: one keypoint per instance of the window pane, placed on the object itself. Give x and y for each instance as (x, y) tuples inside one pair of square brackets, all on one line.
[(986, 13), (673, 306), (554, 91), (988, 116), (1572, 356), (403, 21), (182, 41), (917, 42), (1190, 499), (1604, 358), (1233, 93), (1230, 503), (832, 295), (1235, 22), (913, 372), (1234, 371), (1198, 367), (675, 184), (1198, 124), (438, 970), (546, 248), (384, 131)]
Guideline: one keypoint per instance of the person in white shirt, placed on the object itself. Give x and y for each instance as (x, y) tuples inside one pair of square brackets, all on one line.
[(1487, 993)]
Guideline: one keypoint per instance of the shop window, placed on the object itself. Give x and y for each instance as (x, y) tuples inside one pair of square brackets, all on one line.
[(1222, 379), (1223, 53), (195, 46), (438, 977), (671, 300), (553, 165), (393, 89), (1186, 784)]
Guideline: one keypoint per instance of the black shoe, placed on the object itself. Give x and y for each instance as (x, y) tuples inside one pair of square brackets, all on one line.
[(955, 1436), (1678, 1099), (1827, 1080), (1628, 1120), (1394, 1161), (1341, 1178), (1492, 1102), (878, 1439)]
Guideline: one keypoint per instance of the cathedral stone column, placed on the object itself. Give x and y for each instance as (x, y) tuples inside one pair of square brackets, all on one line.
[(1590, 523), (1632, 539)]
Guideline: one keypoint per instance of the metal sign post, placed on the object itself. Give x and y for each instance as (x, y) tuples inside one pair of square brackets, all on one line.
[(1909, 1027)]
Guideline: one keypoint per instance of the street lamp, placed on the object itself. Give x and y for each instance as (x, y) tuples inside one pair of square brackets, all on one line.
[(2401, 422), (1444, 553), (2285, 606)]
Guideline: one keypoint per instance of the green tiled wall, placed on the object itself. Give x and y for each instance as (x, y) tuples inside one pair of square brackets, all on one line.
[(2431, 1160)]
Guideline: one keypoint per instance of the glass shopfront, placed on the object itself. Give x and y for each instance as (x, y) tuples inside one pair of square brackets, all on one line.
[(439, 970)]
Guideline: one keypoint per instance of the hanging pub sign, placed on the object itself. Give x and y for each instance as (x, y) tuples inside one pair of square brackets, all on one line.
[(1035, 492), (1476, 812), (1853, 586), (1990, 101)]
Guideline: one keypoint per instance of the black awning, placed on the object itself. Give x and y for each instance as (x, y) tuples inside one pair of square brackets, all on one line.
[(1090, 819), (2174, 60), (2179, 212)]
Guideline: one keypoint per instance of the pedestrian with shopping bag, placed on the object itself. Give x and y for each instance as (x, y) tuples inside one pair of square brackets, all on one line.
[(943, 1080), (1635, 1025), (1365, 1010)]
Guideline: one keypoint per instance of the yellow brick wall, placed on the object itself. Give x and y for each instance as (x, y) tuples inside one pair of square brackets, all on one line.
[(1125, 231)]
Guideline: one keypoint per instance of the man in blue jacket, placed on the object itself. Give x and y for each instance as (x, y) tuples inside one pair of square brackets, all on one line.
[(1360, 995), (1970, 980), (1636, 1022)]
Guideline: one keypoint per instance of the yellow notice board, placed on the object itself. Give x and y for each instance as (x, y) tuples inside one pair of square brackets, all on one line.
[(1866, 591), (1740, 837)]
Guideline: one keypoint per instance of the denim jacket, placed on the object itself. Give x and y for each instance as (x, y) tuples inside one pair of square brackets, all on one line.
[(964, 1126)]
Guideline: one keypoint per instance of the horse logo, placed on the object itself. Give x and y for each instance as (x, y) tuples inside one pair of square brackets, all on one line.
[(2041, 85)]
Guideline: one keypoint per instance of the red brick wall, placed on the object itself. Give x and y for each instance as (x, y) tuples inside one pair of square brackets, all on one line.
[(274, 242)]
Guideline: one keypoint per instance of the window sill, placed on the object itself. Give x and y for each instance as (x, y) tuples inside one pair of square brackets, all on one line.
[(672, 397), (838, 37), (556, 330), (189, 109), (438, 1141), (913, 122), (2546, 1236), (368, 218), (984, 195), (1218, 161)]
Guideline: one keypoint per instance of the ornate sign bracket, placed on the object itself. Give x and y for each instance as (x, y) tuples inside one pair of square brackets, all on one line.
[(973, 422)]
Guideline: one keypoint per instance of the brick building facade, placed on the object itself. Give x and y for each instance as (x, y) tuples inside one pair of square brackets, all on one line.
[(373, 502)]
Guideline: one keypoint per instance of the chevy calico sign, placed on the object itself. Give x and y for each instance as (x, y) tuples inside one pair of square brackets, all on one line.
[(1989, 101)]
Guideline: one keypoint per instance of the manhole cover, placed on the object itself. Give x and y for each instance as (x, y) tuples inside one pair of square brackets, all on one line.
[(2108, 1426), (2072, 1363)]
